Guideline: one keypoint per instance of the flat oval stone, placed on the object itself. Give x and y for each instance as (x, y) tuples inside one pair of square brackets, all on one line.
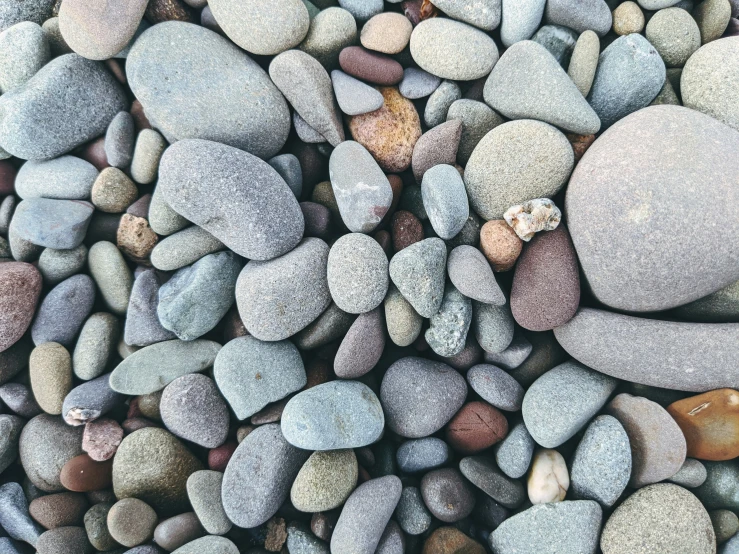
[(452, 50), (482, 472), (39, 124), (201, 181), (584, 61), (153, 367), (83, 474), (420, 396), (112, 275), (234, 102), (496, 387), (370, 66), (14, 516), (280, 297), (119, 140), (142, 323), (362, 346), (354, 96), (64, 310), (484, 14), (20, 287), (330, 326), (10, 430), (46, 444), (445, 200), (437, 105), (184, 248), (692, 474), (418, 83), (513, 454), (411, 513), (386, 32), (679, 355), (325, 481), (678, 182), (357, 273), (592, 15), (493, 326), (675, 35), (204, 493), (331, 30), (332, 416), (178, 531), (258, 476), (422, 454), (476, 427), (63, 178), (447, 495), (59, 224), (24, 49), (50, 372)]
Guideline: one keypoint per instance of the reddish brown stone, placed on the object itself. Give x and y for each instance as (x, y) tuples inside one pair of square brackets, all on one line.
[(20, 287), (386, 243), (101, 439), (500, 244), (7, 177), (271, 414), (475, 427), (158, 11), (59, 510), (140, 208), (135, 423), (82, 474), (322, 524), (94, 152), (317, 220), (407, 229), (580, 144), (276, 535), (710, 423), (136, 239), (449, 540), (218, 457), (140, 120), (133, 408), (370, 66)]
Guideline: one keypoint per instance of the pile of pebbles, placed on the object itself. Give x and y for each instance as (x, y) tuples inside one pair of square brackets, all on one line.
[(369, 277)]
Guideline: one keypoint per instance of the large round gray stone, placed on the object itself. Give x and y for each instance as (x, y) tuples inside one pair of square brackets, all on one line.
[(63, 178), (357, 273), (24, 49)]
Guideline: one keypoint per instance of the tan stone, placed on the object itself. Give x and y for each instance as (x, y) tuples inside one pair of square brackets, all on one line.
[(50, 368), (449, 540), (500, 244), (386, 32), (136, 239), (628, 18)]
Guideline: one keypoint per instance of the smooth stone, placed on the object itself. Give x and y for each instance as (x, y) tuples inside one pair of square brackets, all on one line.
[(143, 327), (692, 474), (357, 273), (288, 166), (37, 124), (96, 526), (445, 200), (559, 41), (513, 454), (674, 34), (580, 16), (437, 146), (418, 455), (20, 288), (354, 96), (628, 18), (584, 61), (280, 297), (365, 515), (119, 140), (307, 86), (362, 10), (496, 387), (234, 102), (362, 346), (331, 325), (63, 178), (325, 481), (89, 401), (131, 522), (58, 510), (14, 517), (387, 32), (667, 348), (630, 74), (471, 274), (485, 15), (447, 495), (512, 357), (452, 50), (258, 477), (528, 83), (418, 83), (571, 526), (147, 155), (162, 218), (659, 518), (370, 66), (548, 478), (209, 544), (493, 326), (482, 472), (418, 272), (500, 172), (658, 447), (411, 512), (252, 374), (152, 465), (262, 27), (719, 490), (520, 19), (403, 322), (332, 416), (362, 190), (437, 105), (475, 427), (177, 531), (59, 224), (305, 132), (420, 396), (46, 444), (37, 11), (712, 17), (64, 539), (448, 328), (331, 30), (10, 431), (183, 248), (112, 275), (561, 402), (204, 493), (19, 399), (200, 180), (477, 120), (153, 367), (657, 4), (721, 306), (63, 311), (300, 540), (672, 272), (706, 81), (601, 466)]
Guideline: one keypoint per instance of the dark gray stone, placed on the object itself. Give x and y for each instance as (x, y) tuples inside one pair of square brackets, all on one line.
[(300, 540), (513, 454), (422, 454), (493, 325), (559, 41), (331, 325), (142, 323), (62, 313), (10, 431), (288, 166), (721, 486), (447, 495), (496, 387), (482, 472)]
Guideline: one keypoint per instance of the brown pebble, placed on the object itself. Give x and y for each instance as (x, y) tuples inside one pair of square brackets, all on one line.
[(7, 177), (233, 326), (140, 120), (243, 432), (177, 531), (385, 241), (82, 474), (475, 427), (218, 457), (133, 408), (140, 208), (317, 220), (113, 191), (50, 370), (20, 287), (136, 239), (94, 152), (407, 229), (322, 524), (312, 163), (370, 66), (64, 540), (158, 11), (271, 414), (436, 146), (450, 540), (131, 522), (149, 405), (59, 510), (580, 144), (101, 439), (276, 535), (500, 244)]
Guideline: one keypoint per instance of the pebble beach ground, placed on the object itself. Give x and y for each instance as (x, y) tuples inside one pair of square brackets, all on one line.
[(369, 277)]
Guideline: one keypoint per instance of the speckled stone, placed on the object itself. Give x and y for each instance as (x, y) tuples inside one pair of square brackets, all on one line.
[(403, 322), (362, 346), (162, 218), (411, 513), (475, 427), (422, 454), (370, 66), (674, 34), (692, 474), (62, 312), (445, 200), (288, 166), (64, 539), (513, 454), (301, 540), (177, 531), (584, 61), (496, 387), (725, 524), (354, 96), (558, 40), (20, 288), (628, 18), (60, 224), (184, 248), (500, 244), (96, 526), (357, 273), (513, 356), (325, 481), (131, 522), (482, 472), (19, 398), (448, 328), (14, 517), (101, 439), (46, 444), (142, 326), (331, 30), (437, 146), (592, 15), (418, 272), (331, 325), (418, 83), (204, 493), (37, 11), (209, 544), (10, 430), (712, 17), (520, 19), (493, 326), (119, 140), (437, 105), (63, 178), (386, 32), (111, 274), (447, 495)]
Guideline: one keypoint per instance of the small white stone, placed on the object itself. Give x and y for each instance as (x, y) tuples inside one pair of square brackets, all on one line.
[(533, 216), (548, 479)]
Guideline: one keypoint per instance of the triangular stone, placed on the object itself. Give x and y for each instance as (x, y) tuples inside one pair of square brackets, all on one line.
[(419, 272)]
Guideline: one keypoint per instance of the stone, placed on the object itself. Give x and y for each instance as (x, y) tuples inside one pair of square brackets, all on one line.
[(584, 61), (417, 83), (153, 367), (142, 326), (354, 96), (135, 239), (280, 297), (447, 495), (332, 416), (692, 474), (520, 20), (437, 146), (177, 531), (288, 166), (705, 84), (445, 200), (10, 427), (131, 522), (14, 517), (38, 124), (119, 140), (513, 454), (592, 15), (500, 172), (210, 544), (199, 179), (111, 275), (483, 473), (19, 399), (59, 224), (712, 17), (184, 248), (548, 479), (721, 306), (411, 513), (63, 311), (475, 427), (204, 493), (147, 154), (331, 325), (258, 477), (365, 515), (58, 510), (659, 518), (331, 30), (513, 356), (452, 50), (63, 178), (301, 540), (113, 191), (559, 41), (667, 348), (477, 120), (96, 526), (362, 10), (20, 288), (58, 265), (528, 83), (561, 402), (362, 190), (448, 328), (437, 105), (485, 15), (496, 387), (234, 102), (83, 474), (162, 218), (471, 274), (390, 133), (420, 396), (37, 11), (674, 34), (493, 326), (370, 66), (50, 371), (628, 18), (46, 445), (64, 539), (357, 273), (527, 219), (500, 244), (418, 272), (450, 540), (658, 446), (570, 526), (422, 454), (386, 32), (362, 346), (101, 438), (325, 481)]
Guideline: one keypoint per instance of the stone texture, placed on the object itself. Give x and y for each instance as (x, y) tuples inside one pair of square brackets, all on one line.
[(721, 306), (354, 96), (386, 32), (112, 276), (418, 83), (46, 444), (558, 40), (59, 224), (513, 454), (437, 105), (437, 146), (692, 474), (418, 272), (475, 427), (20, 287), (411, 513), (362, 346), (448, 328), (63, 178), (445, 200), (548, 479), (422, 454), (14, 517), (325, 481), (331, 30), (674, 34), (370, 66), (496, 387), (584, 61), (482, 472), (142, 326), (63, 311), (580, 16), (713, 17), (204, 493), (500, 244), (447, 495), (493, 325)]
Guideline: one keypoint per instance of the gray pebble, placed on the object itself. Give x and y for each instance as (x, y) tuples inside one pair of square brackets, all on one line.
[(332, 416), (422, 454), (418, 83), (437, 106), (692, 474), (472, 275), (14, 517), (392, 540), (9, 546), (10, 431), (95, 345), (362, 10), (89, 401), (419, 272), (7, 207), (147, 154), (331, 30), (63, 311), (288, 166), (63, 178), (447, 495), (496, 387), (21, 249), (111, 274), (721, 486), (361, 347), (305, 132), (493, 325), (183, 248), (484, 14), (520, 20), (411, 513), (485, 475), (721, 306), (57, 265), (725, 524), (162, 218), (447, 332), (330, 326), (584, 61), (559, 41), (674, 34), (37, 11), (402, 321), (580, 16), (19, 399), (512, 357), (300, 540), (119, 140), (477, 121), (204, 493), (513, 454), (445, 200), (59, 224), (354, 96), (46, 444), (210, 544), (142, 322), (252, 374)]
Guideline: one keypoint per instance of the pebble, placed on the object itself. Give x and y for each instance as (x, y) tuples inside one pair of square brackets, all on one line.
[(258, 477), (592, 15), (325, 481), (119, 140), (288, 166), (63, 178), (50, 371), (96, 526), (318, 220), (411, 513), (142, 326), (350, 416), (354, 96), (111, 275), (475, 427), (135, 239), (418, 83), (300, 540), (561, 402), (362, 190), (719, 307), (20, 288), (719, 488), (628, 18), (234, 102), (584, 61), (692, 474), (513, 356), (131, 522), (162, 218), (725, 524), (445, 200), (331, 325), (527, 83), (386, 32), (513, 454), (204, 493), (570, 526), (59, 224), (362, 346), (712, 17), (183, 248), (471, 274), (83, 474), (14, 517), (520, 20), (101, 439), (500, 244), (11, 427), (64, 539), (447, 495), (19, 399), (390, 133), (548, 479), (64, 310), (370, 66), (452, 50), (659, 518), (418, 272), (278, 298), (153, 367), (34, 127), (331, 30), (209, 544), (113, 191), (422, 454), (674, 34), (438, 103), (447, 332), (177, 531), (496, 387), (493, 326), (365, 514), (500, 172), (559, 41), (37, 11), (59, 510), (420, 396), (484, 474), (46, 444), (406, 229), (437, 146), (527, 219)]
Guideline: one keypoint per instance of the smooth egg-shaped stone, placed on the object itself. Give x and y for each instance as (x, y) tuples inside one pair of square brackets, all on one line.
[(665, 191), (20, 287), (46, 444), (63, 178), (334, 415), (193, 83), (235, 196)]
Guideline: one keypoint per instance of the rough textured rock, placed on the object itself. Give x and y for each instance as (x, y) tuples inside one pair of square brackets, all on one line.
[(20, 287), (325, 481)]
